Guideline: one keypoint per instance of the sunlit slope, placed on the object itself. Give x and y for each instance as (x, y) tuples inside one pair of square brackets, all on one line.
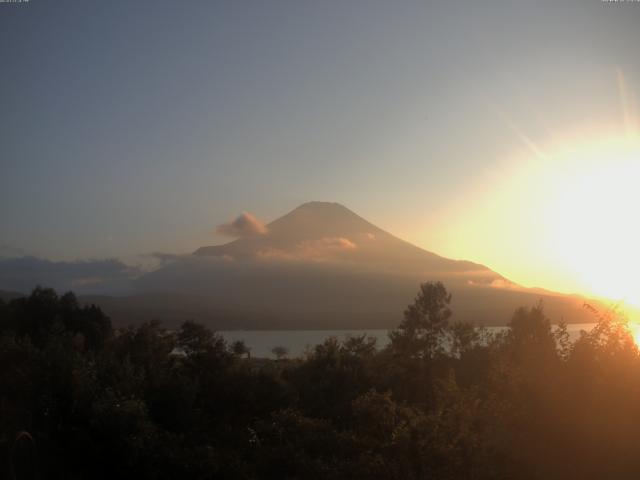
[(323, 266), (323, 232)]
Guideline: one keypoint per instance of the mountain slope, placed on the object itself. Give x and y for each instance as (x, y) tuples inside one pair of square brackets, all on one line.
[(323, 266), (318, 230)]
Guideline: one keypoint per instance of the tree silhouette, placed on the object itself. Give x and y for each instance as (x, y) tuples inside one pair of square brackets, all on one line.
[(239, 348), (280, 352), (443, 400), (425, 323)]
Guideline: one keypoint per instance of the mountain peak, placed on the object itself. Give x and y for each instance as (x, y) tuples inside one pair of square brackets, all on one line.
[(318, 205), (324, 208), (311, 221), (314, 225), (315, 220)]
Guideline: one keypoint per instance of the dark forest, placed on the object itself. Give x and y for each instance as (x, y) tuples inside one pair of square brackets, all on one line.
[(445, 400)]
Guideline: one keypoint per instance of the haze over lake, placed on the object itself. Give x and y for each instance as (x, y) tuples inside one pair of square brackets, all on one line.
[(298, 342)]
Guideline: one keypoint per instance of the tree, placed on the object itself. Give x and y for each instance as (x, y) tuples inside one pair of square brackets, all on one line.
[(425, 323), (359, 346), (44, 314), (280, 352), (239, 348), (196, 339), (530, 333), (464, 336)]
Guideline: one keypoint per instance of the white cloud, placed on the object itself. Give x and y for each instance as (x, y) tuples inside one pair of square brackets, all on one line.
[(328, 248), (245, 225)]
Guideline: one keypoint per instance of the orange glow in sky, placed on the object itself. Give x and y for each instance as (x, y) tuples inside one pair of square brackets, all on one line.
[(566, 222), (596, 233), (561, 216)]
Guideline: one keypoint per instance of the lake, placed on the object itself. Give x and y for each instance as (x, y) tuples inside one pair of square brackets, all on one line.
[(297, 341)]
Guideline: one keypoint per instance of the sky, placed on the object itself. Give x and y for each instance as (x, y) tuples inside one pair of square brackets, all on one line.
[(137, 127)]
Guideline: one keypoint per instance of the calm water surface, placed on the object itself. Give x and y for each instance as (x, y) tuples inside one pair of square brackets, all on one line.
[(297, 341)]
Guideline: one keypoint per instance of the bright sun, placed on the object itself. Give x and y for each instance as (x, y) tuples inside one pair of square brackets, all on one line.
[(564, 219), (562, 214), (594, 220)]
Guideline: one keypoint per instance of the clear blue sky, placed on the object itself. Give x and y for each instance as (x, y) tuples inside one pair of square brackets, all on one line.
[(136, 126)]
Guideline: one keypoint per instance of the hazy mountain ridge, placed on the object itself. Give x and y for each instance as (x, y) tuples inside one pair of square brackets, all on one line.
[(7, 296), (319, 266), (323, 266), (368, 245)]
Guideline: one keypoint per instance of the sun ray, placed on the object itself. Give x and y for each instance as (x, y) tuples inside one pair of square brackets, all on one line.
[(517, 131), (628, 106), (578, 191)]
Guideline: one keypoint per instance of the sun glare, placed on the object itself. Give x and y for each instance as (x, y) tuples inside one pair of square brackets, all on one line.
[(596, 233), (634, 329), (572, 210)]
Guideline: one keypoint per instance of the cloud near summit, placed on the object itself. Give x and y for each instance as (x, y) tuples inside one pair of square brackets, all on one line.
[(245, 225), (324, 249)]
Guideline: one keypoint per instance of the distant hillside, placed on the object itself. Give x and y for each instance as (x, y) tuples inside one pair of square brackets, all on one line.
[(8, 296)]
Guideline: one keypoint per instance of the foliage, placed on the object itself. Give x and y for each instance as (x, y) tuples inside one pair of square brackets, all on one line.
[(444, 400), (280, 352), (426, 320)]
